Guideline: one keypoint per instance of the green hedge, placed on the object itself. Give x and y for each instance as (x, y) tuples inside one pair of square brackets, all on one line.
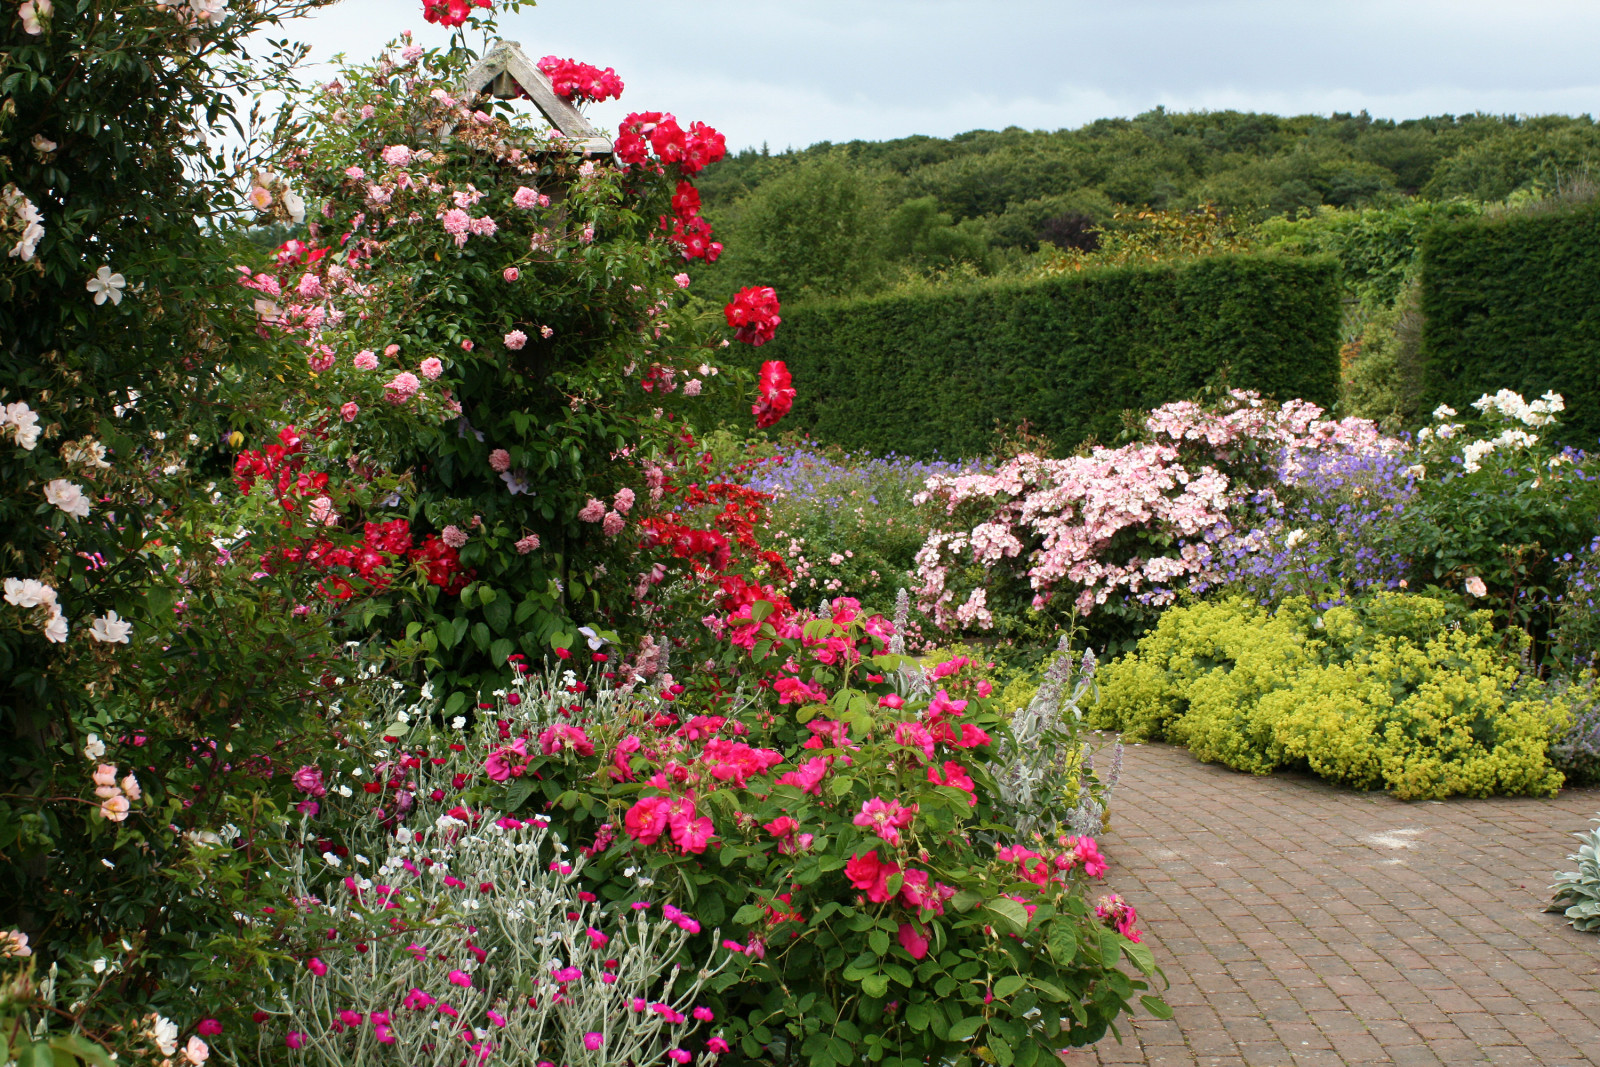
[(932, 373), (1514, 303)]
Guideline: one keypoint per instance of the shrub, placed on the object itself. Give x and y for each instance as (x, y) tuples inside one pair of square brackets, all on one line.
[(1404, 692), (1507, 303), (833, 809), (1501, 509), (932, 373), (1577, 893), (1118, 529), (1576, 753)]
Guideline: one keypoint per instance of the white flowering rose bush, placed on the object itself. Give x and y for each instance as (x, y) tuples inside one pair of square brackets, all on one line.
[(1503, 508)]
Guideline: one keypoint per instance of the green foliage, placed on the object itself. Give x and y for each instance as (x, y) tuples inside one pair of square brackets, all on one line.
[(1508, 303), (1577, 893), (1377, 248), (1010, 185), (108, 113), (816, 229), (1402, 692), (1383, 378), (934, 373)]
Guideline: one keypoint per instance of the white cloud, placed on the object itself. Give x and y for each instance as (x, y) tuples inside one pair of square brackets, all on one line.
[(801, 71)]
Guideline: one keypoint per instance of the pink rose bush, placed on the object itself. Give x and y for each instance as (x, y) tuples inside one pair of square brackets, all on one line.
[(1128, 525)]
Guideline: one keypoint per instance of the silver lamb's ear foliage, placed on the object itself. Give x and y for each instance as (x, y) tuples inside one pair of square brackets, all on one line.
[(902, 618), (1039, 761)]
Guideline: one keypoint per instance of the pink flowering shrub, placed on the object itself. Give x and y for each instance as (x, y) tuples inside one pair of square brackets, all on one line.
[(1126, 527), (828, 806)]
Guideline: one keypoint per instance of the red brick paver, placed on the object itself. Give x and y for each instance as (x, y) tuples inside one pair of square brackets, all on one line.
[(1302, 924)]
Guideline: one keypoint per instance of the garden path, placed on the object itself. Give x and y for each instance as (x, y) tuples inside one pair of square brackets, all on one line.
[(1302, 924)]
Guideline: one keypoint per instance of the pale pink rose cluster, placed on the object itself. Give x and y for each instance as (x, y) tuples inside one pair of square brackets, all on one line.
[(116, 799), (1054, 521)]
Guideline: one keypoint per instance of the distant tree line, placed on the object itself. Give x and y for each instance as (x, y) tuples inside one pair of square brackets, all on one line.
[(863, 217)]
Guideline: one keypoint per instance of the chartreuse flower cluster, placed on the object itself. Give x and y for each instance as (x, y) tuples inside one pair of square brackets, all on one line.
[(1400, 692)]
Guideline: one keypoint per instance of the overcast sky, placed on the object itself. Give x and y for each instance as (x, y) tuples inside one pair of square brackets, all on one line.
[(797, 72)]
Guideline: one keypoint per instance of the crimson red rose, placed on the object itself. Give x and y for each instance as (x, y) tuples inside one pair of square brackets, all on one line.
[(777, 394)]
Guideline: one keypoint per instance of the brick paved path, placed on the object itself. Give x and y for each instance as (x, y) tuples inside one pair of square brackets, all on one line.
[(1301, 924)]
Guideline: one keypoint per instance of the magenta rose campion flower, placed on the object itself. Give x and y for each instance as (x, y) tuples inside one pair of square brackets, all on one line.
[(308, 780)]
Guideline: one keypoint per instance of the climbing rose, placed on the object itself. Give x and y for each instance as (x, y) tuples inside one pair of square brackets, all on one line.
[(574, 80), (516, 339), (593, 511), (776, 392), (528, 544), (913, 941), (453, 536), (403, 387), (753, 314), (511, 274), (499, 460), (451, 12), (366, 360), (348, 410), (431, 368), (612, 524)]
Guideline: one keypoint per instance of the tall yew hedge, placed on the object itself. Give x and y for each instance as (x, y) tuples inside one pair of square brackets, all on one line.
[(934, 372), (1514, 303)]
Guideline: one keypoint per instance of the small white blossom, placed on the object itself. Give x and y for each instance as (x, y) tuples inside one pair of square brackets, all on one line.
[(106, 286)]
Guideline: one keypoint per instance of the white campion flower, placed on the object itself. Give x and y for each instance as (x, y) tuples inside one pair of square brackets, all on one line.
[(67, 496), (110, 629), (106, 286)]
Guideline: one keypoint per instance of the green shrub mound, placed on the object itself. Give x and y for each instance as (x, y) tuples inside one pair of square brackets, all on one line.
[(933, 373), (1510, 304), (1401, 692)]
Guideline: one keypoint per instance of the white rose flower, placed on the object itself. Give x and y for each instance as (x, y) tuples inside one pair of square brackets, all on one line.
[(106, 285), (22, 422), (295, 205), (165, 1033), (110, 629), (67, 496), (94, 748), (55, 631)]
